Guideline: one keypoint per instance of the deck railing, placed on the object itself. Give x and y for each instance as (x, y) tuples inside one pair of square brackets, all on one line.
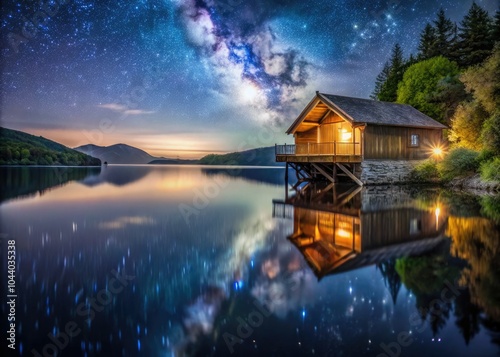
[(330, 148)]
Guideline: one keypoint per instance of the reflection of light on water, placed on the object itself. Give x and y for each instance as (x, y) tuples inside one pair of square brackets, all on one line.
[(173, 182), (343, 233), (437, 212), (350, 311), (122, 222), (199, 317), (292, 288), (251, 238), (271, 268)]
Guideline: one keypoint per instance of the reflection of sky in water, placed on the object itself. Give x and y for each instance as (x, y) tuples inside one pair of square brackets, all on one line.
[(193, 278)]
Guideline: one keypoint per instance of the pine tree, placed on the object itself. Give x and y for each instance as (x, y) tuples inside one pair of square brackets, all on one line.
[(381, 79), (496, 28), (475, 40), (411, 60), (427, 45), (389, 89), (391, 277), (445, 35)]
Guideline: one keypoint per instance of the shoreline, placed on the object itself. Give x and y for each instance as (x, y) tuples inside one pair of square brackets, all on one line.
[(474, 183)]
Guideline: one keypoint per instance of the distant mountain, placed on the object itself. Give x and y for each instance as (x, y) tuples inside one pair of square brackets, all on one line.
[(174, 162), (117, 154), (126, 154), (20, 148), (254, 157)]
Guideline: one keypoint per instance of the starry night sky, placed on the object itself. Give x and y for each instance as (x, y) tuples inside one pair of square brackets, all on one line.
[(182, 78)]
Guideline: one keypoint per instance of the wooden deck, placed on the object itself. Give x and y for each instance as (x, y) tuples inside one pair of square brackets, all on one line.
[(330, 152), (319, 158)]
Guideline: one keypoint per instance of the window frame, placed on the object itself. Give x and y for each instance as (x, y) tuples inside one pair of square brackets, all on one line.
[(411, 142)]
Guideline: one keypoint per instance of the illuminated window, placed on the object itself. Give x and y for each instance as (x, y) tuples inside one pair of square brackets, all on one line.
[(415, 226), (414, 140)]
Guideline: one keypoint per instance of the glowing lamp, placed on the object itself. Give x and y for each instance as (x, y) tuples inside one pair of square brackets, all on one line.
[(345, 135), (437, 151)]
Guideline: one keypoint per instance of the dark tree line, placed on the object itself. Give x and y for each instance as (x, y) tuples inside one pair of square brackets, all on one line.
[(467, 44), (19, 148)]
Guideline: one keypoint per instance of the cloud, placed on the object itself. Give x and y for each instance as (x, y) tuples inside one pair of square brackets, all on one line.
[(124, 109), (248, 63)]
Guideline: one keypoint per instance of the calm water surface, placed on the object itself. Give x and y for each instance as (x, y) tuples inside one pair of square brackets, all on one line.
[(193, 261)]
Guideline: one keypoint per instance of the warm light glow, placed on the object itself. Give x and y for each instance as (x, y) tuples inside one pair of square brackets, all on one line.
[(343, 233), (437, 151), (346, 135), (437, 212)]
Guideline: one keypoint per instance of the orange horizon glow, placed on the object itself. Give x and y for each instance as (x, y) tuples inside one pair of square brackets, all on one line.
[(187, 146)]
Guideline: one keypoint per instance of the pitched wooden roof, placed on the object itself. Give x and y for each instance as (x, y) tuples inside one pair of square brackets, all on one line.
[(356, 260), (359, 111)]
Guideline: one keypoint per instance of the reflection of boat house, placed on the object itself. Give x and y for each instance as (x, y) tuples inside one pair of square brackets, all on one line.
[(341, 237), (368, 141)]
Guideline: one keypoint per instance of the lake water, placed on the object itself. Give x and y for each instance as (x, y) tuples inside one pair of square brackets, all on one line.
[(171, 260)]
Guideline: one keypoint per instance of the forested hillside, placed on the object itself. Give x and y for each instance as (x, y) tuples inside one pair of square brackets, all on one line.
[(19, 148), (455, 79)]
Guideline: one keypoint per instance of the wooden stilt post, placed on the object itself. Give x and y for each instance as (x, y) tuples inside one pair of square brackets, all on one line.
[(286, 181), (323, 172), (348, 173)]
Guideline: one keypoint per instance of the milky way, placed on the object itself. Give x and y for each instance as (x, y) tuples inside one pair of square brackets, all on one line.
[(209, 72)]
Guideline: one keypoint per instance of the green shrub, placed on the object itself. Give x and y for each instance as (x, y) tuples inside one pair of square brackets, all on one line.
[(425, 171), (491, 132), (485, 155), (458, 162), (490, 207), (490, 170)]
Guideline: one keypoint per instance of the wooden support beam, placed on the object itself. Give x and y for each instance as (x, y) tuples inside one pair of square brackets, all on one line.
[(324, 116), (350, 174), (298, 172), (286, 182), (323, 172), (322, 192), (313, 123), (350, 194)]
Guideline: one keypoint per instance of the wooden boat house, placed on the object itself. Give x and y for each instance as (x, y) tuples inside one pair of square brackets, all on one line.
[(369, 141)]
